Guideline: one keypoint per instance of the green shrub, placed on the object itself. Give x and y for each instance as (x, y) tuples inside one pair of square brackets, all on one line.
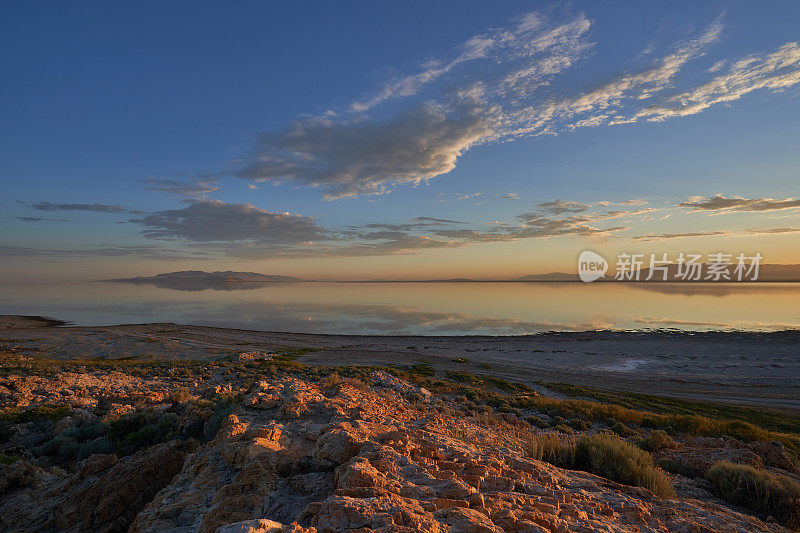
[(537, 422), (9, 459), (223, 406), (141, 429), (766, 493), (622, 430), (33, 414), (657, 440), (563, 428), (504, 407), (472, 395), (579, 425), (100, 445), (464, 377), (422, 369)]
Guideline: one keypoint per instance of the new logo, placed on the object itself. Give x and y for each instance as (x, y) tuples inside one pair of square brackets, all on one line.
[(591, 266)]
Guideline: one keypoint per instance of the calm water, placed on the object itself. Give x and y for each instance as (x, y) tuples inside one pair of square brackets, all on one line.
[(418, 308)]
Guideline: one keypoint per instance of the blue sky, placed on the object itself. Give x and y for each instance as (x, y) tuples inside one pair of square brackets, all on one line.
[(368, 139)]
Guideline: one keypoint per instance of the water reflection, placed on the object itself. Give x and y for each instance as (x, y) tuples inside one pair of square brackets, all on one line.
[(416, 308)]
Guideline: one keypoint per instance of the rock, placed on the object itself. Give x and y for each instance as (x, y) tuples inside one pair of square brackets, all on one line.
[(18, 474), (337, 445), (384, 379), (463, 520), (112, 501), (699, 455), (255, 356), (260, 525), (298, 458), (97, 463), (774, 455)]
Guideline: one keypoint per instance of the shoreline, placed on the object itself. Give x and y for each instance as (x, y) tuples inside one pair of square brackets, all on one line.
[(756, 368)]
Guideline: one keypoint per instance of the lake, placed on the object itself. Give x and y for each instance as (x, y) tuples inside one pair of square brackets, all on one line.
[(418, 308)]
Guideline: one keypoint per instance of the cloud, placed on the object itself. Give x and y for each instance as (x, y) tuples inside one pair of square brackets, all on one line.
[(142, 251), (472, 196), (41, 219), (751, 232), (214, 220), (419, 234), (530, 49), (414, 224), (774, 72), (723, 204), (351, 157), (390, 243), (510, 196), (198, 188), (95, 208), (353, 154), (773, 231), (669, 236), (491, 89), (604, 104), (435, 221), (557, 207)]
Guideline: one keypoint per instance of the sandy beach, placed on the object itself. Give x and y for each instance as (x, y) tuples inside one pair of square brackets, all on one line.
[(730, 367)]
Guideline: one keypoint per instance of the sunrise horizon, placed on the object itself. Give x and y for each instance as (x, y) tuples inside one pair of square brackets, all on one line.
[(501, 145)]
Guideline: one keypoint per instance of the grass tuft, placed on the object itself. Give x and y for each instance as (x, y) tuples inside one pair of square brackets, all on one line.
[(766, 493), (604, 455)]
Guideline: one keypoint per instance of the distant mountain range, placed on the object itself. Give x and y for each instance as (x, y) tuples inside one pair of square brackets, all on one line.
[(774, 273), (195, 280), (550, 276)]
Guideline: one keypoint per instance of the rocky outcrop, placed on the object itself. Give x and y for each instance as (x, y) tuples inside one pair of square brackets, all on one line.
[(342, 458), (697, 455), (301, 456)]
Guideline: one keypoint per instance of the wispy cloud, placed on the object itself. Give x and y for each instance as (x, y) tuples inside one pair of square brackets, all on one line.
[(41, 219), (95, 208), (145, 251), (353, 154), (489, 89), (722, 204), (530, 49), (557, 207), (774, 72), (197, 188), (773, 231), (604, 104), (670, 236), (750, 232)]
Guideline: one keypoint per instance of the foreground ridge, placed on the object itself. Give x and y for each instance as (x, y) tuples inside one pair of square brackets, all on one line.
[(339, 454)]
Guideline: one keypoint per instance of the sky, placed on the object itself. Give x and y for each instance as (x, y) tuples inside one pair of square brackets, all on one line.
[(408, 140)]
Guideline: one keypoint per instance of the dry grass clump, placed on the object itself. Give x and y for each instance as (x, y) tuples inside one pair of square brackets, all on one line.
[(769, 494), (657, 440), (554, 448), (611, 457), (605, 455)]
